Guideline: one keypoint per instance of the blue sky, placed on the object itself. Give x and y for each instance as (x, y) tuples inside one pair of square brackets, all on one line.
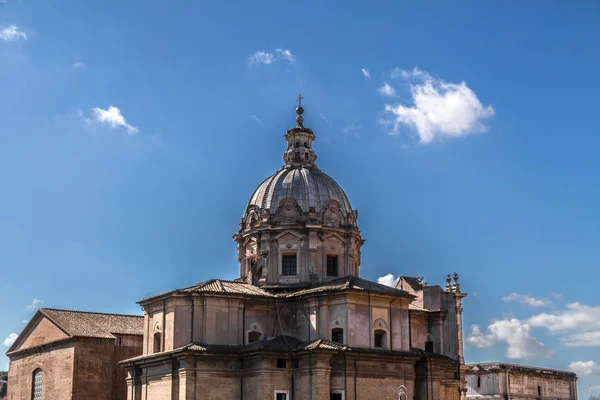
[(465, 134)]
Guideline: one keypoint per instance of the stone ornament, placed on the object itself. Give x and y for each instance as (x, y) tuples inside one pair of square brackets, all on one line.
[(332, 215), (402, 393)]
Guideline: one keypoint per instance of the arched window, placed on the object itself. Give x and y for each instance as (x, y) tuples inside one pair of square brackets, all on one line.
[(296, 145), (36, 384), (379, 338), (337, 335), (156, 347)]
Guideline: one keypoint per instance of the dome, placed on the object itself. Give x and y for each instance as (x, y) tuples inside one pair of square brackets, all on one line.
[(310, 187)]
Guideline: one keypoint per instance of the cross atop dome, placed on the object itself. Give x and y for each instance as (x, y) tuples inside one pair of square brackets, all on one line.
[(299, 111), (299, 152)]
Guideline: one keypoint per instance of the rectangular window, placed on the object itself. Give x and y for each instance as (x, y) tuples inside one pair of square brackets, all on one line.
[(297, 156), (296, 363), (288, 265), (281, 395), (378, 339), (332, 266), (337, 335), (336, 396), (281, 363)]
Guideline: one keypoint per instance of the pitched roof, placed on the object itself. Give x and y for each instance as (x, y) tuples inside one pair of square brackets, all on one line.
[(96, 325), (348, 283), (413, 281), (229, 287)]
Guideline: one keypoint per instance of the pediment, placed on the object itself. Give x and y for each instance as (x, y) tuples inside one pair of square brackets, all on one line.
[(39, 331), (289, 232), (333, 235)]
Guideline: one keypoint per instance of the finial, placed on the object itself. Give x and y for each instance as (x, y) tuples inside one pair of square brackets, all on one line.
[(299, 111), (448, 282), (456, 285)]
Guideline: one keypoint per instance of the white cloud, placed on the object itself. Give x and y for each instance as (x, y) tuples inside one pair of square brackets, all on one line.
[(351, 130), (264, 57), (34, 305), (515, 334), (324, 118), (386, 90), (585, 368), (256, 119), (78, 65), (440, 109), (284, 54), (575, 317), (113, 117), (12, 32), (366, 73), (25, 321), (10, 339), (261, 57), (388, 280), (527, 300)]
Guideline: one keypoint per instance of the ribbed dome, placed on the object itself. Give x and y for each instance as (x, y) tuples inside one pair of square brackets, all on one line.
[(309, 186)]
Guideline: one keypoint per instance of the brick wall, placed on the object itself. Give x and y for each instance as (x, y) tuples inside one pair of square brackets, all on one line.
[(57, 366), (42, 331)]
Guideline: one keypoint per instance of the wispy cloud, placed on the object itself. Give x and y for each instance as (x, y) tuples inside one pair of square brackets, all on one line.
[(440, 109), (25, 321), (10, 339), (113, 117), (284, 54), (35, 304), (12, 32), (78, 65), (388, 280), (264, 57), (512, 332), (351, 130), (256, 119), (527, 300), (324, 117), (386, 90), (366, 73)]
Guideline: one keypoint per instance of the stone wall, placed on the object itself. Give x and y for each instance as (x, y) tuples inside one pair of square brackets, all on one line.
[(521, 385)]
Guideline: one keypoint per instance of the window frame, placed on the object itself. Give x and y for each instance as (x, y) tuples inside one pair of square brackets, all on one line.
[(338, 391), (37, 372), (283, 270), (338, 330), (337, 265), (286, 392), (383, 334), (157, 337)]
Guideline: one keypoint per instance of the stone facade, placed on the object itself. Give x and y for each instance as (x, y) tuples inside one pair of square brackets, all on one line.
[(494, 380), (299, 323), (73, 366)]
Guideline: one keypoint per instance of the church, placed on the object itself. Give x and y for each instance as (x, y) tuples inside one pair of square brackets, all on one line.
[(298, 323)]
